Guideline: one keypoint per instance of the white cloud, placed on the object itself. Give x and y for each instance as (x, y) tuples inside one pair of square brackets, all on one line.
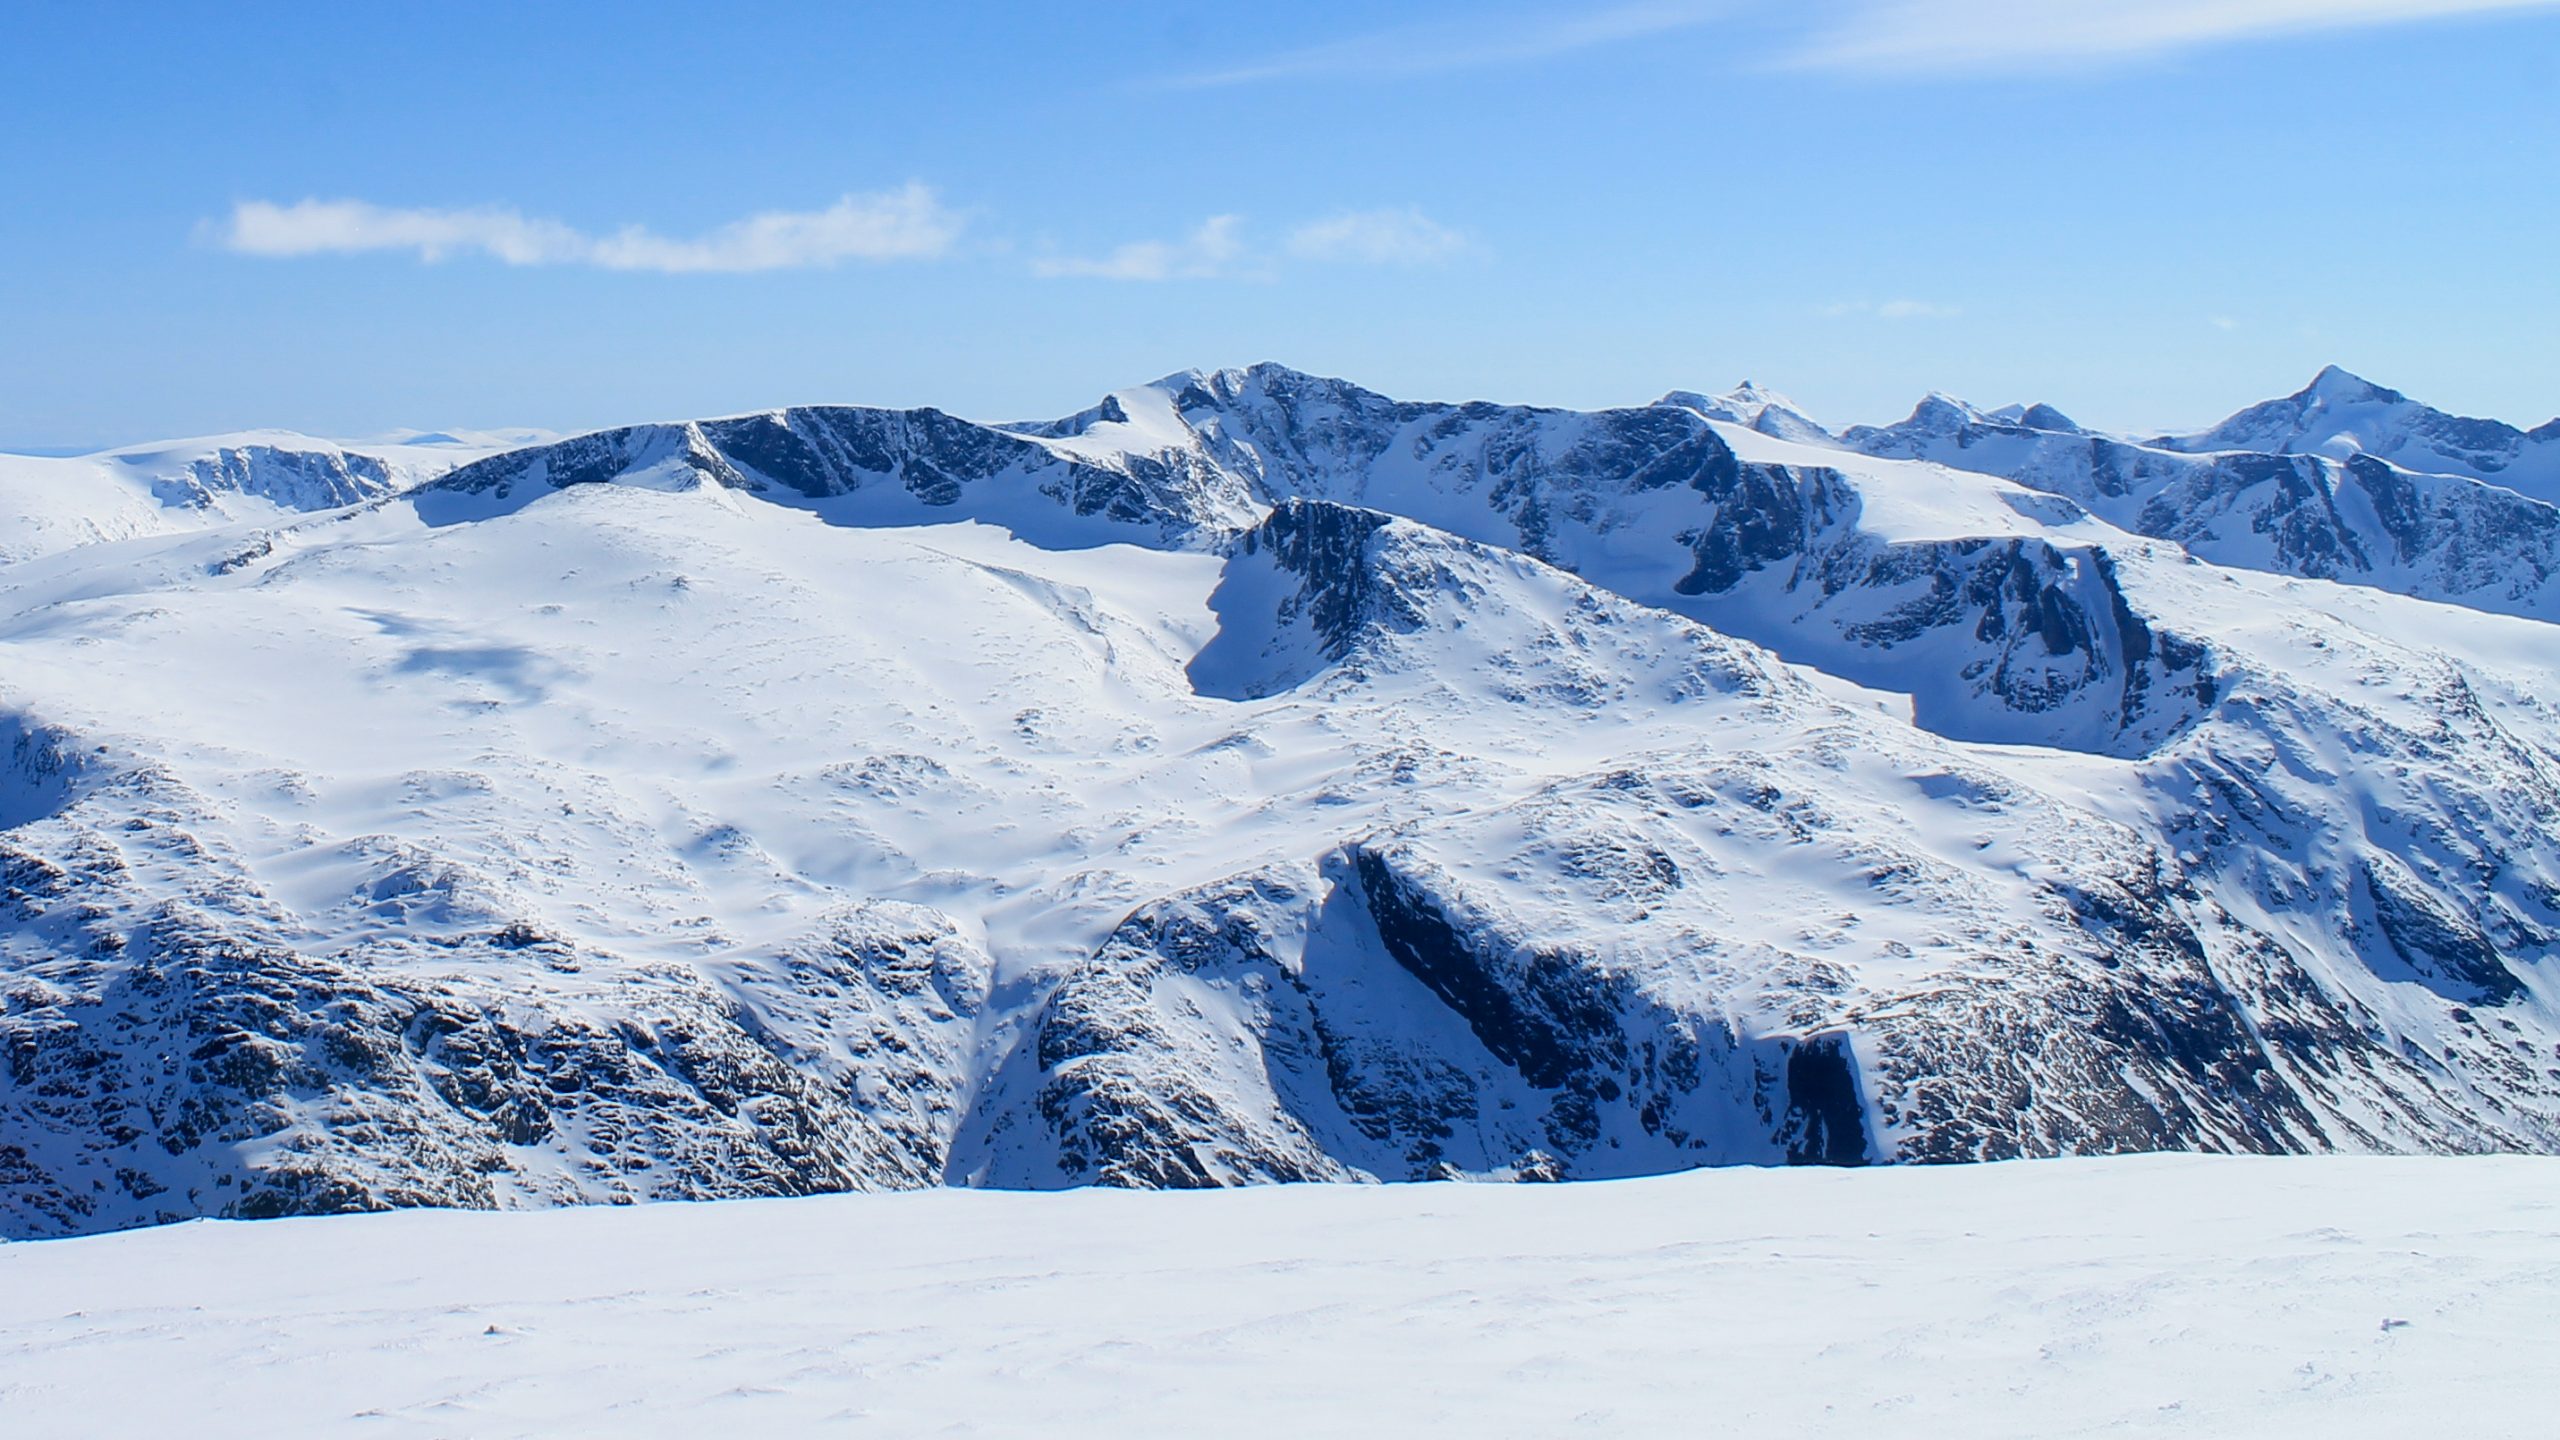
[(1939, 35), (1217, 249), (904, 224), (1376, 237), (1206, 253), (1479, 41), (1893, 310)]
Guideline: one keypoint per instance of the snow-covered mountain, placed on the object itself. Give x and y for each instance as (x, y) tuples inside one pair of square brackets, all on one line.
[(2341, 416), (1251, 777), (2286, 487), (49, 504), (1766, 411)]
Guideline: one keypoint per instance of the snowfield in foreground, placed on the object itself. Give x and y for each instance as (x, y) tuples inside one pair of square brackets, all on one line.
[(2173, 1295)]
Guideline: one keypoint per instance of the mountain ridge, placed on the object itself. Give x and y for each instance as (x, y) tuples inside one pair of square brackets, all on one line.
[(1251, 778)]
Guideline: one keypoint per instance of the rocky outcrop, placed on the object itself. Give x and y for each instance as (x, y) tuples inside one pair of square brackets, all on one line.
[(167, 1056)]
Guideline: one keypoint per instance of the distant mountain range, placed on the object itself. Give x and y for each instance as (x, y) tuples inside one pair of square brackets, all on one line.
[(1255, 777), (51, 503), (2342, 416), (2343, 481)]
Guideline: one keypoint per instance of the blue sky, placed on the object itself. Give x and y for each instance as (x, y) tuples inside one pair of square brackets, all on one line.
[(348, 218)]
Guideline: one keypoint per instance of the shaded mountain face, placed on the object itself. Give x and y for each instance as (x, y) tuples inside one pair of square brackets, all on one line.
[(1250, 778)]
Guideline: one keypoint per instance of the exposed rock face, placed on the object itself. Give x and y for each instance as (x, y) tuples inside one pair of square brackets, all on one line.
[(1393, 1013), (177, 1054), (1304, 586), (1600, 495), (295, 479), (52, 504), (2000, 640), (913, 465)]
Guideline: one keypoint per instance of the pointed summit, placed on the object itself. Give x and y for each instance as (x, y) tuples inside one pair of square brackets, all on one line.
[(1749, 404), (2041, 416), (2337, 386), (2342, 416)]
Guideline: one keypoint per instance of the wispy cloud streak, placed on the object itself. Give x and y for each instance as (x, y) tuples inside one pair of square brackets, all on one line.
[(1977, 35), (905, 224), (1204, 254), (1218, 249), (1482, 41), (1377, 237)]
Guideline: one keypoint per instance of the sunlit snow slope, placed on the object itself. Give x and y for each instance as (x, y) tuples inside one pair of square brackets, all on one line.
[(2315, 1298), (1250, 778), (49, 504)]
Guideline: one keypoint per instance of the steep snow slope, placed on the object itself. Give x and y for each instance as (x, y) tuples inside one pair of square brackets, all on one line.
[(48, 505), (2171, 1295)]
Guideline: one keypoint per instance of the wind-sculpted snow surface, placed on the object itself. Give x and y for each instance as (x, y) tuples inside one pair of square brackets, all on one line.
[(1249, 779), (2184, 1296)]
